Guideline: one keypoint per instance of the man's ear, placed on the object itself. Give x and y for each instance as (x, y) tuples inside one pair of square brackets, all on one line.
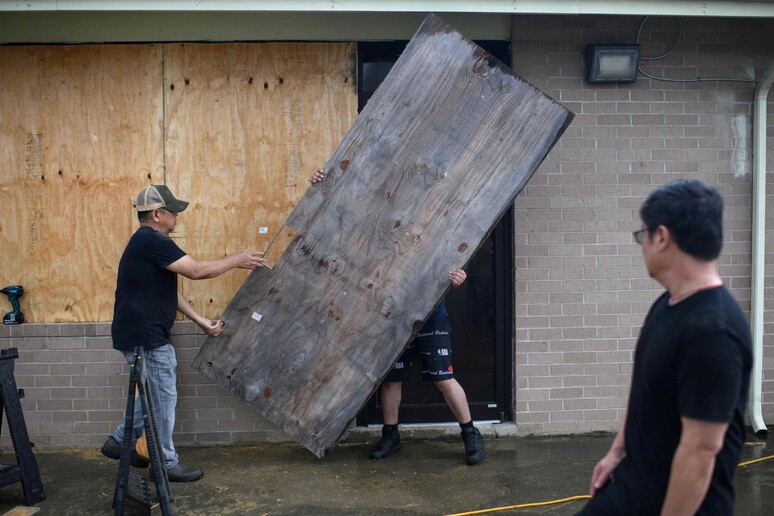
[(662, 237)]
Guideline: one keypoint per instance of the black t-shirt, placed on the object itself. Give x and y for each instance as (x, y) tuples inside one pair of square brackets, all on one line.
[(146, 292), (692, 360)]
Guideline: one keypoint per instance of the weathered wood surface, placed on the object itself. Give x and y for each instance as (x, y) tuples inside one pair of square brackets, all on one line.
[(438, 154)]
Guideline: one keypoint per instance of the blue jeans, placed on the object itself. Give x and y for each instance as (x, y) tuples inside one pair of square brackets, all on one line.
[(161, 369)]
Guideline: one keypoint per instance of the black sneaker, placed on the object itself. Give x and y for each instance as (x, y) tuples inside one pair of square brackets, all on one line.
[(474, 445), (390, 442), (181, 473), (112, 450)]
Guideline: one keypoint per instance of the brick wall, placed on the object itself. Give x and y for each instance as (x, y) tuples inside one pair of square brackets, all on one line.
[(75, 388), (581, 288)]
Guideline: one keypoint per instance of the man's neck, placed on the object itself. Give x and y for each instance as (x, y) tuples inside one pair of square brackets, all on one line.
[(691, 277), (153, 227)]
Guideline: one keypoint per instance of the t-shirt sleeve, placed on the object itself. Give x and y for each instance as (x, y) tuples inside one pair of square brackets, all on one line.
[(709, 377), (164, 251)]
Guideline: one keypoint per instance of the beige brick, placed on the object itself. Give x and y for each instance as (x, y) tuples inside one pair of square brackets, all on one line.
[(565, 370), (580, 358), (573, 416), (567, 427), (68, 416), (600, 345), (53, 381), (544, 405), (90, 405), (544, 334), (584, 404), (546, 358), (579, 381), (526, 418), (566, 393), (601, 369), (541, 382), (601, 415), (580, 332)]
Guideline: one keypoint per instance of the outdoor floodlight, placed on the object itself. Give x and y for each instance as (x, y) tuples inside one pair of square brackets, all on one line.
[(612, 63)]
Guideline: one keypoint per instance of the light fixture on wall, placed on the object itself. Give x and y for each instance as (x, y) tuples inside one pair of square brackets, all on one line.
[(612, 63)]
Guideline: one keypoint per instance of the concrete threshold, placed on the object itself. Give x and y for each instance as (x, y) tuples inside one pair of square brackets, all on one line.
[(426, 431)]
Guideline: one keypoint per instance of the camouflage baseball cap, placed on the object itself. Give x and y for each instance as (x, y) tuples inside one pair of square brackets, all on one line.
[(154, 197)]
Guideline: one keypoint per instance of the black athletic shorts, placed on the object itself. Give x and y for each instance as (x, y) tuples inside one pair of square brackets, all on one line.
[(434, 344)]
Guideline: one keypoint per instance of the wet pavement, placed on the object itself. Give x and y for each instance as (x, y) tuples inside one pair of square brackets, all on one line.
[(428, 476)]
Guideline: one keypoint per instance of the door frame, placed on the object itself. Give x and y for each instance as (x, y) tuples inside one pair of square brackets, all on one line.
[(502, 239)]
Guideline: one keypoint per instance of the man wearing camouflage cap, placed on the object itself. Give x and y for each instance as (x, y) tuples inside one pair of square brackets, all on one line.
[(146, 304)]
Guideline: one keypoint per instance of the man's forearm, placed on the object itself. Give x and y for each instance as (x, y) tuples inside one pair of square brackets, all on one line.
[(605, 467), (185, 308), (619, 443), (212, 268), (689, 480), (195, 270)]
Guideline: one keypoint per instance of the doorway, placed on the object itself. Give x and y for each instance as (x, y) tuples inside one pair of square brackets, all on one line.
[(480, 311)]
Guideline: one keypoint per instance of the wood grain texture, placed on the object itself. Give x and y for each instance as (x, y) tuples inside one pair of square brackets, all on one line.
[(233, 128), (438, 154), (81, 133), (245, 124)]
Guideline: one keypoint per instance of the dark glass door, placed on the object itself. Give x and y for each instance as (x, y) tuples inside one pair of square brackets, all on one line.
[(480, 311)]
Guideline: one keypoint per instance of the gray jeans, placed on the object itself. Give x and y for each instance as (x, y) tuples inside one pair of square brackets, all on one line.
[(160, 367)]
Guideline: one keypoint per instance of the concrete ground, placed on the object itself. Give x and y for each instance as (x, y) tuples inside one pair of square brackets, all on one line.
[(428, 476)]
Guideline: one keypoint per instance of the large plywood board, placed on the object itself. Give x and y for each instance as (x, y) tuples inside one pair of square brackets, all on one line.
[(438, 154), (245, 126), (81, 131)]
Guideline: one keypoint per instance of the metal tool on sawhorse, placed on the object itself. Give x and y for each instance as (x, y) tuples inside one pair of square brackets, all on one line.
[(130, 484), (26, 468)]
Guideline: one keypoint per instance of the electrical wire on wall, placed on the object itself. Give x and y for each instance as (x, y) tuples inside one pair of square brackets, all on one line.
[(665, 54)]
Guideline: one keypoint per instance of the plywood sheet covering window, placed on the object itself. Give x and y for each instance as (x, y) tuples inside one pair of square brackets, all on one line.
[(81, 127), (438, 154), (234, 128), (246, 125)]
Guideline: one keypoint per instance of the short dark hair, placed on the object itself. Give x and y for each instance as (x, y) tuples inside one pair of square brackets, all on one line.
[(693, 213), (144, 216)]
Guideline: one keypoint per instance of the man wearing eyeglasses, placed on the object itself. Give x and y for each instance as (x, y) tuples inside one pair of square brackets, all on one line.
[(147, 301), (681, 439)]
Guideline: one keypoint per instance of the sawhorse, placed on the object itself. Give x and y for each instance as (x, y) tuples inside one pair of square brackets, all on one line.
[(26, 467), (130, 484)]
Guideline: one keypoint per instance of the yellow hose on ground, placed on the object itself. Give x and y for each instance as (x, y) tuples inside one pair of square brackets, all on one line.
[(522, 506), (570, 499), (754, 461)]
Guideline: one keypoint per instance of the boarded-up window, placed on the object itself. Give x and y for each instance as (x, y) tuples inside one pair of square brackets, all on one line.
[(233, 128)]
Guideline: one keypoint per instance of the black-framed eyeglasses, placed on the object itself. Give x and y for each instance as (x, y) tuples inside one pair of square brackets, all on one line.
[(639, 235)]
